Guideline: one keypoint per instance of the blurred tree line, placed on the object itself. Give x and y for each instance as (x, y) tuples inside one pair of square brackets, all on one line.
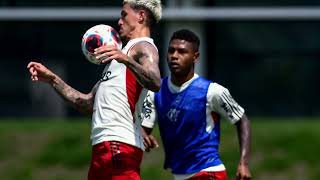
[(269, 66)]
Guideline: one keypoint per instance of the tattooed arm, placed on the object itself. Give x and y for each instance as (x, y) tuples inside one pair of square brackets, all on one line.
[(81, 102), (142, 60)]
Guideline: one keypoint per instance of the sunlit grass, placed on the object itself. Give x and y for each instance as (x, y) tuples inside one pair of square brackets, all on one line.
[(60, 149)]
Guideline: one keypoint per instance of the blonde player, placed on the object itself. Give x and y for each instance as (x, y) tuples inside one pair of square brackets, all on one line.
[(117, 143)]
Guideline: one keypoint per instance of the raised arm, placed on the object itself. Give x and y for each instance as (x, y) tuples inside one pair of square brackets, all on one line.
[(142, 60), (80, 101), (144, 64), (244, 136)]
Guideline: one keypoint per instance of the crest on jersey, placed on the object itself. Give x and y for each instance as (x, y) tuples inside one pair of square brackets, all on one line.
[(173, 115)]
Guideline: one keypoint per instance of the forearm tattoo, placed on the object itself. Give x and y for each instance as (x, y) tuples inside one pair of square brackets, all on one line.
[(143, 67), (81, 102)]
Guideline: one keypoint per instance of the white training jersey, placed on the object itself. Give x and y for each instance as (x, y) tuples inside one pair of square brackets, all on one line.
[(219, 101), (116, 103)]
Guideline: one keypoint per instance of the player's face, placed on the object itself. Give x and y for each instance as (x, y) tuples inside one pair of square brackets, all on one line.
[(128, 21), (181, 57)]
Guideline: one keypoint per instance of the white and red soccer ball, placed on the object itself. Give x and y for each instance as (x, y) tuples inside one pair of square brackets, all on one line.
[(97, 36)]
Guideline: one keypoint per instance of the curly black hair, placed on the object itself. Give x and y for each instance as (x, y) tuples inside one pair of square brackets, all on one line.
[(187, 35)]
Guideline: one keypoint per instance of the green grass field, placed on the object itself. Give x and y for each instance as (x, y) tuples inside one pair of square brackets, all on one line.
[(55, 149)]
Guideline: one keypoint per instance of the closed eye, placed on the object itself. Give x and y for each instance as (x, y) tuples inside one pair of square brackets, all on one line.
[(123, 14)]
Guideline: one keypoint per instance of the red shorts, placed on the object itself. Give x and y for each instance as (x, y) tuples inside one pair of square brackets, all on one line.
[(204, 175), (115, 161)]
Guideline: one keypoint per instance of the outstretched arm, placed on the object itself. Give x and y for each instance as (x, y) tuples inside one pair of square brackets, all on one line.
[(142, 60), (81, 102), (244, 136)]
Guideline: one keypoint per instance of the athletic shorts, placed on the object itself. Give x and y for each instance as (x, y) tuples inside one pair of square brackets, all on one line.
[(214, 175), (115, 161)]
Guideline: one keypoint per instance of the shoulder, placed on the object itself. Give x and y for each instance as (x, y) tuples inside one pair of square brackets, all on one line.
[(202, 80), (216, 91), (144, 50), (144, 46), (216, 88)]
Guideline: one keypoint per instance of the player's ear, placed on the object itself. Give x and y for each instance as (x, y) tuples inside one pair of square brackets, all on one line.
[(196, 57), (141, 16)]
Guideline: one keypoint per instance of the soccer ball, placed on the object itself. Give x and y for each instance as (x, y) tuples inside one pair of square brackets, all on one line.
[(97, 36)]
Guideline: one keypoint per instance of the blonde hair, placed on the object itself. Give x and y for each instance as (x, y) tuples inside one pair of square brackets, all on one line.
[(154, 6)]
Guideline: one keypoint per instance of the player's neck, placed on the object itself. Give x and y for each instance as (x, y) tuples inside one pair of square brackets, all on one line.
[(180, 80), (141, 32)]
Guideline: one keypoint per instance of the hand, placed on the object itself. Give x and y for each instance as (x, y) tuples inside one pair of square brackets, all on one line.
[(109, 52), (39, 72), (243, 172), (150, 142)]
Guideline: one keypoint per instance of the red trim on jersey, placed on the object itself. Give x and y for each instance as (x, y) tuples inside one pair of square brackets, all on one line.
[(133, 89), (215, 116)]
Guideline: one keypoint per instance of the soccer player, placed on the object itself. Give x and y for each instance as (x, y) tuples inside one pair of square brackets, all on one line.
[(188, 109), (117, 143)]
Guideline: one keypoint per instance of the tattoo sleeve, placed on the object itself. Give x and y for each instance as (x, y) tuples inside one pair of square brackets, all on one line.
[(244, 136), (80, 101), (144, 64)]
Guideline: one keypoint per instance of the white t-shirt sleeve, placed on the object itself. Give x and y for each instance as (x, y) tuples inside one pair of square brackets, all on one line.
[(221, 102), (149, 113)]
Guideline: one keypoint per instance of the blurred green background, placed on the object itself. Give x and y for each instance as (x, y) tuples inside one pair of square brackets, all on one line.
[(37, 149), (269, 66)]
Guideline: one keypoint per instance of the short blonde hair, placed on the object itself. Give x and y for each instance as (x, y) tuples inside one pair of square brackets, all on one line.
[(154, 6)]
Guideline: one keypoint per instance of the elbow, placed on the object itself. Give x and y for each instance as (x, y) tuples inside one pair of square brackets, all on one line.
[(152, 87), (153, 83), (156, 86)]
